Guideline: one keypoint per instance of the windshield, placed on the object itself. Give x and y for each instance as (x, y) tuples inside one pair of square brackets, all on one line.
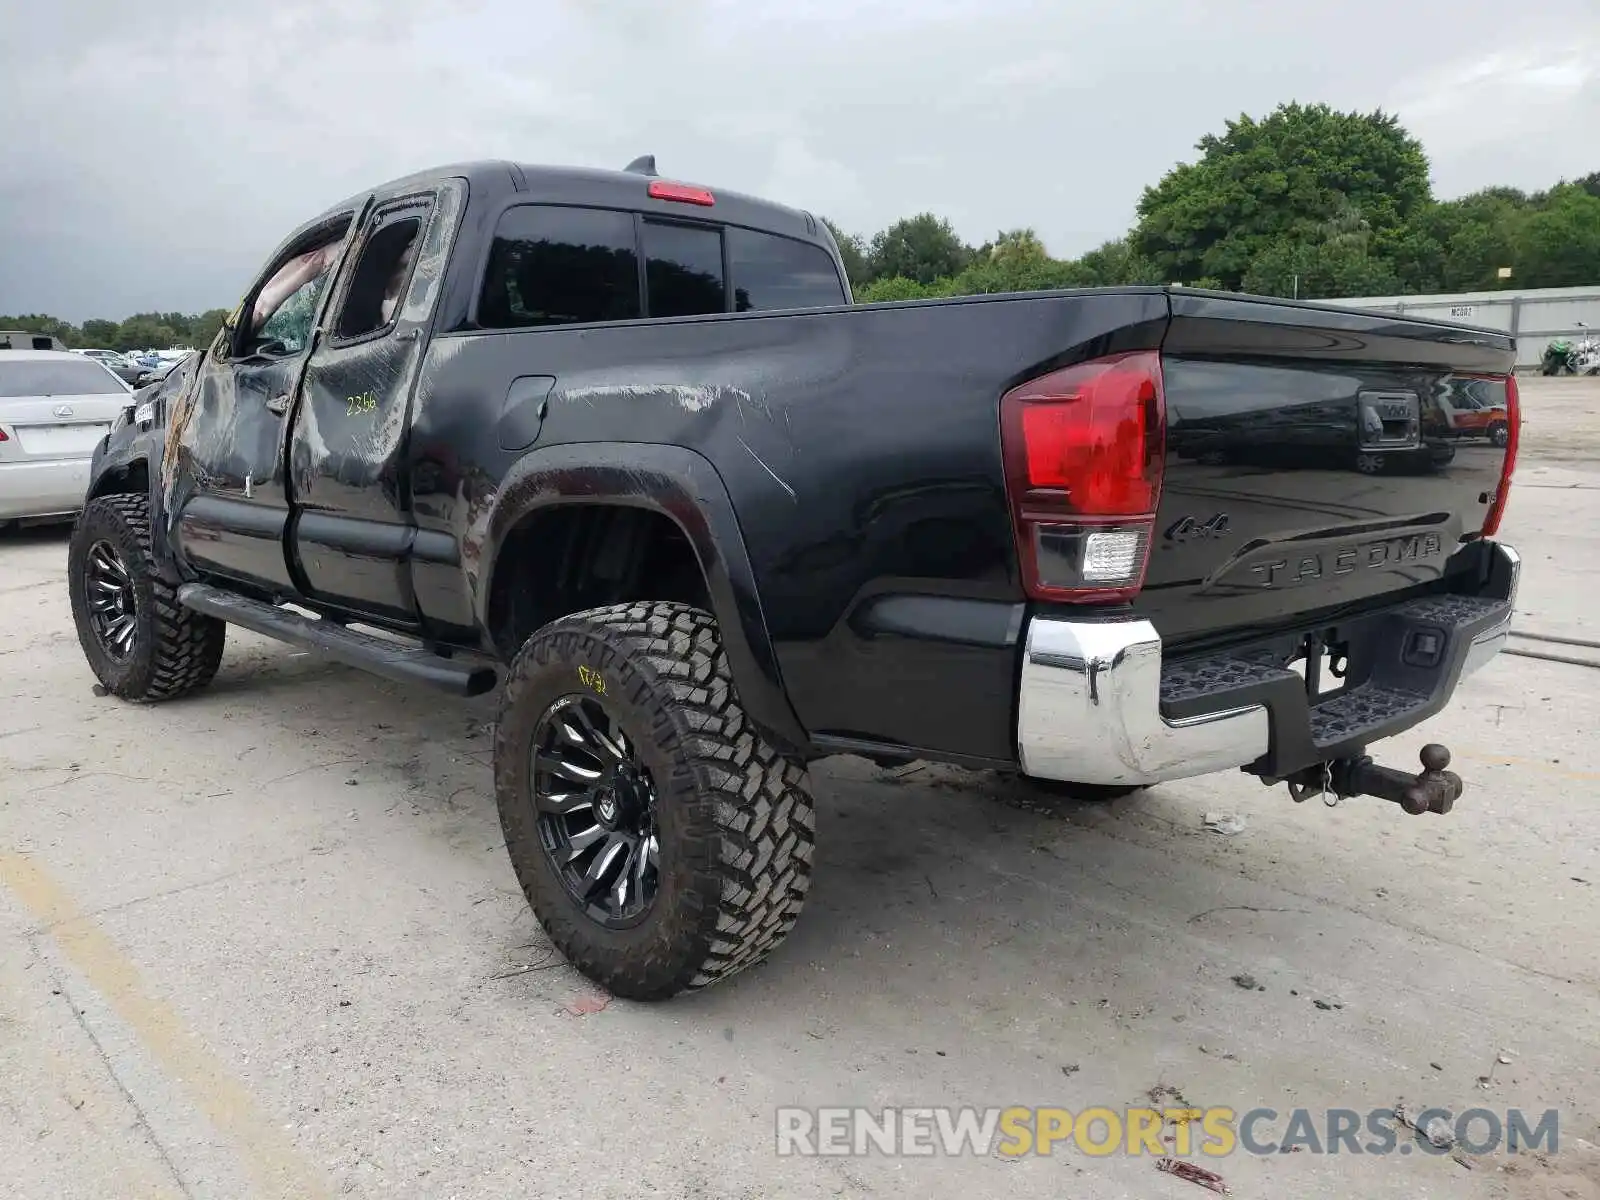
[(36, 377)]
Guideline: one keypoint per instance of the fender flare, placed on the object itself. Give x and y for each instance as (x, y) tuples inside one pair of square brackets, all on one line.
[(683, 486), (129, 446)]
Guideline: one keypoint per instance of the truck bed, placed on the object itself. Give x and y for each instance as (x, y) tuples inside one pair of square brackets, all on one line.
[(860, 447)]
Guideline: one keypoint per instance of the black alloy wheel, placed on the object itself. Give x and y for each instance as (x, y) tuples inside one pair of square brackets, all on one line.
[(596, 805), (661, 841), (139, 641), (112, 603)]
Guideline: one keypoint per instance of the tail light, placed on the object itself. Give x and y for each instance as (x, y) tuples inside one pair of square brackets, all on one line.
[(1497, 506), (3, 437), (1084, 452)]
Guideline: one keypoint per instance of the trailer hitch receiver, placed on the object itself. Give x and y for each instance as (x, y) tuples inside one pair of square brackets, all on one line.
[(1436, 789)]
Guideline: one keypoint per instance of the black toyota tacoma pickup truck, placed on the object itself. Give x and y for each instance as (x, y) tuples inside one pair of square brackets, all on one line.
[(626, 446)]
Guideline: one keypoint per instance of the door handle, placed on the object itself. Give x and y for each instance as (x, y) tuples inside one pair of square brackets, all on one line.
[(278, 404)]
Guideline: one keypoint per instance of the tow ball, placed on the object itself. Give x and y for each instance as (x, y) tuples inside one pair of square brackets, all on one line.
[(1435, 789)]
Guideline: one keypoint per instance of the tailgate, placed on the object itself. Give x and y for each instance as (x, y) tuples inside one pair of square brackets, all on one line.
[(1315, 461)]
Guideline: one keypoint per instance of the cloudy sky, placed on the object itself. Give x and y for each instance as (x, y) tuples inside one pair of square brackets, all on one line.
[(155, 150)]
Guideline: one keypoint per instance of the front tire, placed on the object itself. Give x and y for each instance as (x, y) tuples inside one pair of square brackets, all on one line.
[(140, 642), (1499, 433), (663, 844)]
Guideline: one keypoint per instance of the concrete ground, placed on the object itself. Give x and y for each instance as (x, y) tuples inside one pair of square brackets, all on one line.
[(265, 942)]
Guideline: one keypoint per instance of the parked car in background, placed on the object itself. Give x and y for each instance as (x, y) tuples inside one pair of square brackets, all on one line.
[(160, 370), (118, 363), (152, 366), (55, 407)]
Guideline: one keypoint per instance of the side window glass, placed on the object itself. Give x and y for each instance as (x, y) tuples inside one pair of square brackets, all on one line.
[(683, 270), (286, 306), (778, 272), (380, 278), (551, 265)]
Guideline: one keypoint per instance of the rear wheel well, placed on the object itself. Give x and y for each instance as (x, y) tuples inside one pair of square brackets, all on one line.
[(573, 557), (133, 478)]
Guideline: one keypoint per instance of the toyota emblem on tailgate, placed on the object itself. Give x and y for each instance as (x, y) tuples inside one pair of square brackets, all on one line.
[(63, 410)]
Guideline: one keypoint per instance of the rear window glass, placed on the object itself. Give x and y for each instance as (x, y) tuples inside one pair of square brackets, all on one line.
[(68, 377), (778, 272), (560, 266), (557, 265), (683, 269)]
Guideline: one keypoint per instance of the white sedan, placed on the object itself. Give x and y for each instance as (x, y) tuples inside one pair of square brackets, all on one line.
[(55, 406)]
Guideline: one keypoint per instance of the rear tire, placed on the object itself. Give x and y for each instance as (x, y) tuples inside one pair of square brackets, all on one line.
[(1499, 433), (159, 650), (725, 821)]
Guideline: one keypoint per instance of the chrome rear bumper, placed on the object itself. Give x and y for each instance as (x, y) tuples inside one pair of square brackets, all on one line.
[(1089, 701)]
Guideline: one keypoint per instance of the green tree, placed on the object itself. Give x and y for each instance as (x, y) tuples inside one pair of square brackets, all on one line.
[(1015, 275), (144, 331), (1116, 263), (1283, 176), (1332, 260), (1558, 244), (853, 253), (101, 334), (1016, 261), (203, 328), (923, 248), (1326, 270), (897, 287), (1015, 246), (1418, 259), (43, 323), (1458, 245)]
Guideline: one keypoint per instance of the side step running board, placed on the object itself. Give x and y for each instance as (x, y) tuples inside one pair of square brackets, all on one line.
[(391, 660)]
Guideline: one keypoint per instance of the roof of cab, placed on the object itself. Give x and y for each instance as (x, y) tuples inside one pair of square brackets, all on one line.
[(609, 189)]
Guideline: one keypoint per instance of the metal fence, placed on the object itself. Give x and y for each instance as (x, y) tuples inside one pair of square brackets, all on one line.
[(1535, 317)]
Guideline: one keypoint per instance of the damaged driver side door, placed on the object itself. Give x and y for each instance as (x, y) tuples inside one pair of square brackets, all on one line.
[(352, 537), (226, 484)]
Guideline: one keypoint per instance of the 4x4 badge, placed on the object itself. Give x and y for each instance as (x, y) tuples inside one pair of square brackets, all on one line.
[(1190, 530)]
